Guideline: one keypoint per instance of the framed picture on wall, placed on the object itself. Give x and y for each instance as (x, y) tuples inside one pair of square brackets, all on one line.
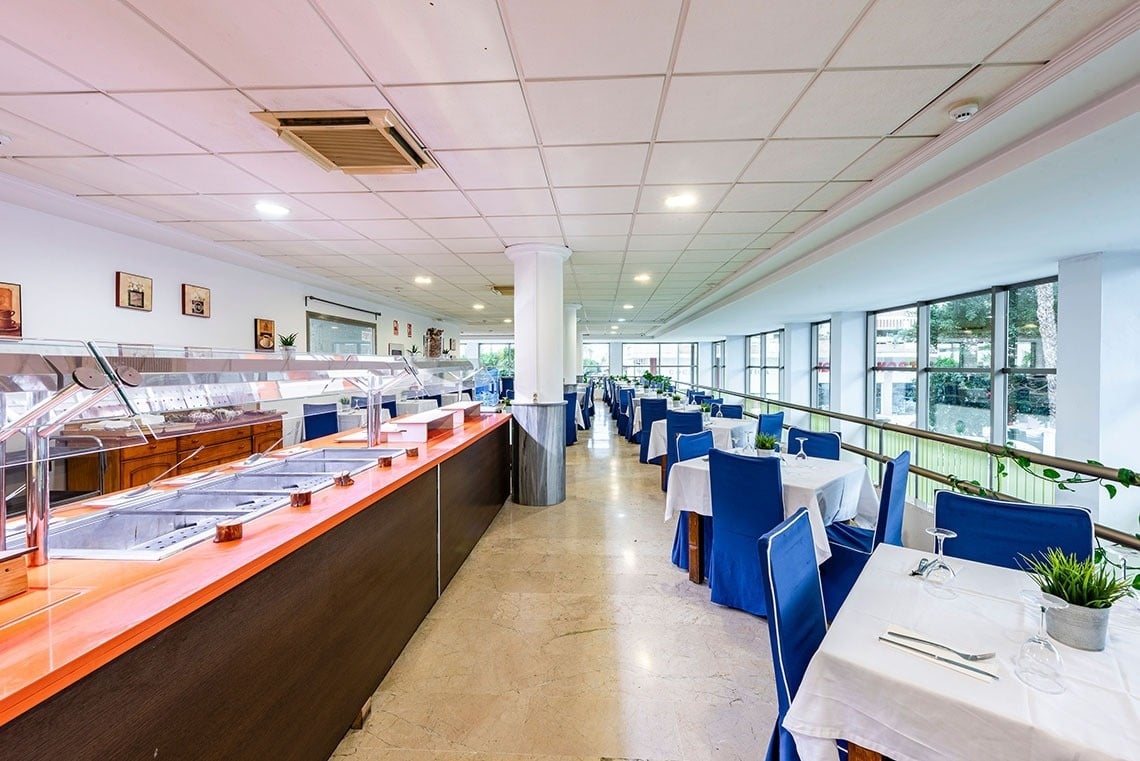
[(395, 327), (11, 311), (133, 291), (409, 330), (395, 350), (195, 300), (264, 334)]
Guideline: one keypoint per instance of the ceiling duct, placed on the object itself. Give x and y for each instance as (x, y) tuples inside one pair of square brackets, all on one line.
[(355, 142), (504, 290)]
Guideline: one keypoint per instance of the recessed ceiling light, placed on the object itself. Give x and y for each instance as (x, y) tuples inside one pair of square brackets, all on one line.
[(4, 139), (423, 280), (508, 320), (270, 209), (477, 306), (642, 278), (613, 327), (627, 306), (621, 319), (680, 201)]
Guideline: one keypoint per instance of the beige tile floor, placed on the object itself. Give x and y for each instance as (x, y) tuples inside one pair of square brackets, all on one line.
[(568, 635)]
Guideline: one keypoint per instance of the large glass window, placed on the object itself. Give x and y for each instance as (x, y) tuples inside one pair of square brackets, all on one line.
[(498, 355), (718, 364), (821, 365), (894, 367), (960, 386), (337, 335), (1032, 367), (765, 363), (677, 361), (595, 358)]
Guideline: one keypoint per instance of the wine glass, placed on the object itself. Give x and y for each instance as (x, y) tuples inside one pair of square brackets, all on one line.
[(938, 577), (801, 455), (1038, 662)]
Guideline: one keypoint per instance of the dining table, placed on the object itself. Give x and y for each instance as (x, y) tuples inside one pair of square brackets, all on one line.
[(831, 490), (911, 706)]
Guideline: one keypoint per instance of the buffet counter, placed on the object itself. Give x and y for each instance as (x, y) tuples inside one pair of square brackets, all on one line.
[(267, 647)]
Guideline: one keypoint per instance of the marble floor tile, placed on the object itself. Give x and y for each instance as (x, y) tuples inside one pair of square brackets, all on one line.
[(569, 636)]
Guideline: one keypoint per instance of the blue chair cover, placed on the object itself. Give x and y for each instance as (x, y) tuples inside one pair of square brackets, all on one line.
[(652, 410), (678, 422), (824, 444), (571, 398), (359, 402), (320, 420), (625, 410), (507, 387), (851, 546), (796, 625), (772, 424), (999, 533), (389, 405), (735, 411), (747, 501), (690, 445)]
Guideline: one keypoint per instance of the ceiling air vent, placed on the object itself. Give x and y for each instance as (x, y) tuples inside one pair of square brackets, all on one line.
[(355, 142), (504, 290)]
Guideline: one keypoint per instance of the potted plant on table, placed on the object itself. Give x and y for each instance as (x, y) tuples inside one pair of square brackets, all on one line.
[(288, 343), (765, 444), (1088, 586)]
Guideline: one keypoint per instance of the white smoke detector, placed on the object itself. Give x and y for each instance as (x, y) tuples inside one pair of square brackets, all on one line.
[(962, 112)]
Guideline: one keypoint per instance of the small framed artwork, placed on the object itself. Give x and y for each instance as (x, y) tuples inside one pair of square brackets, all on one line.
[(195, 300), (11, 311), (409, 330), (133, 291), (264, 334), (395, 327), (395, 350)]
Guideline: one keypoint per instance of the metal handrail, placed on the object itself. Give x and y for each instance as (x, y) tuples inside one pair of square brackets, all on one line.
[(1049, 461)]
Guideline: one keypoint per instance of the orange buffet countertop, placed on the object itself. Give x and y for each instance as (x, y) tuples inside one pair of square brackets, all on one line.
[(80, 614)]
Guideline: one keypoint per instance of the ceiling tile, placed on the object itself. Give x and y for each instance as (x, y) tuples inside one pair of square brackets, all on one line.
[(201, 173), (109, 175), (705, 197), (596, 164), (794, 221), (754, 222), (767, 240), (679, 163), (512, 202), (195, 207), (961, 34), (1063, 24), (514, 227), (595, 110), (252, 231), (774, 34), (596, 242), (768, 196), (730, 106), (428, 204), (25, 73), (721, 241), (582, 258), (513, 168), (474, 246), (30, 139), (326, 229), (982, 85), (349, 205), (605, 200), (217, 120), (554, 240), (96, 120), (663, 258), (483, 261), (424, 179), (829, 195), (134, 208), (884, 155), (659, 242), (383, 229), (593, 37), (713, 255), (292, 172), (317, 99), (415, 247), (865, 103), (481, 115), (466, 39), (596, 224), (246, 205), (256, 43), (459, 227), (674, 223), (802, 160)]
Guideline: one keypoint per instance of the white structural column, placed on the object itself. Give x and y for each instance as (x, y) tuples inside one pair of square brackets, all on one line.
[(1098, 376), (539, 455), (571, 363)]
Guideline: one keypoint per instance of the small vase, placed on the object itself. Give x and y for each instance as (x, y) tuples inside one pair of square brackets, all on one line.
[(288, 351), (1078, 626), (763, 452)]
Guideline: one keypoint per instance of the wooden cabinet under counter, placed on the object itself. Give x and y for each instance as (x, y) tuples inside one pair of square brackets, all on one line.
[(137, 465)]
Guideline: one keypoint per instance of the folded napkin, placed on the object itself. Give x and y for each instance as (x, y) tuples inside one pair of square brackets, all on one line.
[(986, 671)]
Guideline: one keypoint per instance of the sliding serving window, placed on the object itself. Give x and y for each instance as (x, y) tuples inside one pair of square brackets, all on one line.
[(327, 334)]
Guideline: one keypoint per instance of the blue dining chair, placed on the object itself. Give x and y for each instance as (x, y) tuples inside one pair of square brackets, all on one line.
[(359, 403), (690, 445), (319, 420), (734, 411), (747, 501), (999, 533), (677, 422), (507, 387), (796, 624), (772, 423), (390, 405), (851, 546), (571, 398), (823, 444), (652, 410), (625, 411)]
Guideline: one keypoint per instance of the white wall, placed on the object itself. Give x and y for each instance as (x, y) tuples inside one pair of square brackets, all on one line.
[(67, 273)]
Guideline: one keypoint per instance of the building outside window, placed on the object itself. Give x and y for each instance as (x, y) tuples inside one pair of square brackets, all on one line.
[(500, 356), (1031, 362), (959, 360), (718, 365), (821, 365), (595, 358), (765, 364), (675, 360), (894, 366)]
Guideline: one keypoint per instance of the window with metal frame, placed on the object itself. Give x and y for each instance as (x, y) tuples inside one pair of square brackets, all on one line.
[(821, 365), (327, 334), (765, 364)]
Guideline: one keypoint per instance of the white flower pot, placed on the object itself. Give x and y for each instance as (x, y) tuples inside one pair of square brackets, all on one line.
[(1078, 626), (764, 452)]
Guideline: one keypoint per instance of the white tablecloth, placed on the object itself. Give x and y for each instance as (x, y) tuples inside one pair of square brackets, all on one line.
[(727, 433), (414, 406), (915, 710), (830, 489)]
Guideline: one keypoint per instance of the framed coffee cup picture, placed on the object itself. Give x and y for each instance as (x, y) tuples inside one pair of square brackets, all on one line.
[(133, 291), (11, 311), (264, 334), (195, 300)]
